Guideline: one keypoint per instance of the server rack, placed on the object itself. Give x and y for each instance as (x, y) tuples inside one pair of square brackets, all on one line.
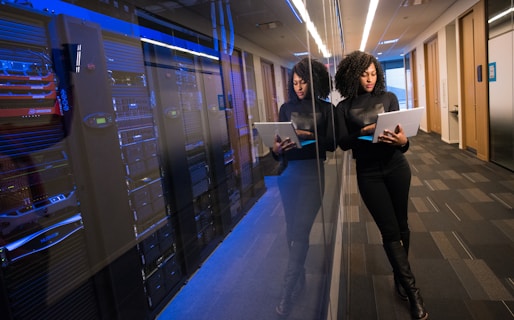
[(138, 138), (44, 271), (192, 136), (119, 165)]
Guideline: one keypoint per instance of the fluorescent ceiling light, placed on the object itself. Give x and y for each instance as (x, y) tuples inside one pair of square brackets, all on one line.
[(369, 21), (311, 27), (169, 46), (388, 41), (300, 54), (500, 15)]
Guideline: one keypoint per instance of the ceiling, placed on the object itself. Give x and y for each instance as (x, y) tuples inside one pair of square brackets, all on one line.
[(270, 24)]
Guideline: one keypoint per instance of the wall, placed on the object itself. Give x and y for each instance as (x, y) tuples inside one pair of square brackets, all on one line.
[(447, 69)]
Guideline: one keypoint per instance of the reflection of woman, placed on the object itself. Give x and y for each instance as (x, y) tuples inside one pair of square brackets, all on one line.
[(383, 173), (299, 183)]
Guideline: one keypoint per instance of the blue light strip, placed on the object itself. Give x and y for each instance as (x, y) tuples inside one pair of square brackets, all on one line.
[(294, 11)]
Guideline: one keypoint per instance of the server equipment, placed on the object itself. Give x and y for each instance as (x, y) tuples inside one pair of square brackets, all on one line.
[(44, 270), (121, 168)]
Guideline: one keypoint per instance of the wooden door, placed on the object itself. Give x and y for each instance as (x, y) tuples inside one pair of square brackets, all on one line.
[(469, 103), (432, 81), (270, 94)]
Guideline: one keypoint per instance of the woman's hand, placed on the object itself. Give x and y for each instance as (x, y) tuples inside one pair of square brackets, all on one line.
[(282, 145), (396, 138), (369, 129), (305, 135)]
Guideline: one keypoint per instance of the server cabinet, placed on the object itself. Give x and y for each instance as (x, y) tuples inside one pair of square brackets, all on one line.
[(118, 171), (249, 183), (115, 138), (44, 271), (100, 172), (189, 164), (138, 140)]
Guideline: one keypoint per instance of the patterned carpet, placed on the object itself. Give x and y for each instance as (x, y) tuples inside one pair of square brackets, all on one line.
[(462, 243), (462, 250)]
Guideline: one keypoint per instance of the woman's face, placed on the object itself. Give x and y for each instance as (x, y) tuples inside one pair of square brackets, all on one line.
[(300, 86), (369, 78)]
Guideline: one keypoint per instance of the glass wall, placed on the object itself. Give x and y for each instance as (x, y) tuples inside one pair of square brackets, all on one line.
[(129, 161), (500, 73)]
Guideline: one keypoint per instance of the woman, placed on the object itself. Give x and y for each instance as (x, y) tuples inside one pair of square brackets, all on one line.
[(299, 183), (383, 173)]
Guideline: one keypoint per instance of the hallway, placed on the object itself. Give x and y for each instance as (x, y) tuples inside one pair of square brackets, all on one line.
[(462, 247), (462, 250)]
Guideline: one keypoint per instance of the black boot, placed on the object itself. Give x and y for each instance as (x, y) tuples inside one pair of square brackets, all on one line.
[(295, 268), (300, 285), (398, 259), (405, 236)]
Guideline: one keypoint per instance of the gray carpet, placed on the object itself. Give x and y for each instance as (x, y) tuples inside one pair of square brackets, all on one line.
[(462, 251), (462, 243)]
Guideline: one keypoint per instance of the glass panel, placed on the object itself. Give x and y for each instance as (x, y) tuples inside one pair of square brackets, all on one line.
[(133, 183)]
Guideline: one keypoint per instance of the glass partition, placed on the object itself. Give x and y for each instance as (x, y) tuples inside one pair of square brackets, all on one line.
[(134, 184)]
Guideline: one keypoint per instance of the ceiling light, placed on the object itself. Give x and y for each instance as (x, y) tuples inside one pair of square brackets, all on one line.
[(373, 4), (388, 41), (301, 54), (311, 27)]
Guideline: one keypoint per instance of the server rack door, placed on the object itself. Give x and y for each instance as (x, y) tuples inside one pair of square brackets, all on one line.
[(138, 139), (44, 268), (187, 146), (98, 166)]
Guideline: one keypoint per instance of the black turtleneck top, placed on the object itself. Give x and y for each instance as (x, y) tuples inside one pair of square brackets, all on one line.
[(353, 114), (301, 114)]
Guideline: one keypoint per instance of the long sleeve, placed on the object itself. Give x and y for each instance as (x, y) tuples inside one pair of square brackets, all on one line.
[(345, 139), (321, 120), (354, 114)]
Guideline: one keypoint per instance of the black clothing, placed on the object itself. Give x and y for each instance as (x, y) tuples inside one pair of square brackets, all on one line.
[(301, 114), (299, 186), (353, 114), (383, 173), (384, 188)]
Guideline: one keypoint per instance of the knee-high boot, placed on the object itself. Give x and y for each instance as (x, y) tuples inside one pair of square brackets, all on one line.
[(405, 237), (295, 267), (398, 258)]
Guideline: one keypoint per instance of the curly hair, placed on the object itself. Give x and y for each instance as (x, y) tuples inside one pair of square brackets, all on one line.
[(320, 78), (349, 71)]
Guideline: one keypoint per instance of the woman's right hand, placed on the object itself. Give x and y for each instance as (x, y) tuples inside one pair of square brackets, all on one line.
[(282, 145)]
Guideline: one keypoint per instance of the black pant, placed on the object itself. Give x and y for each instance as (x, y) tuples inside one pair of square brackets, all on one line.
[(384, 187), (299, 187)]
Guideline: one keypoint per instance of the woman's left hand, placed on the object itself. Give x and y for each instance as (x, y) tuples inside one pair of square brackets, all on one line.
[(396, 138)]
